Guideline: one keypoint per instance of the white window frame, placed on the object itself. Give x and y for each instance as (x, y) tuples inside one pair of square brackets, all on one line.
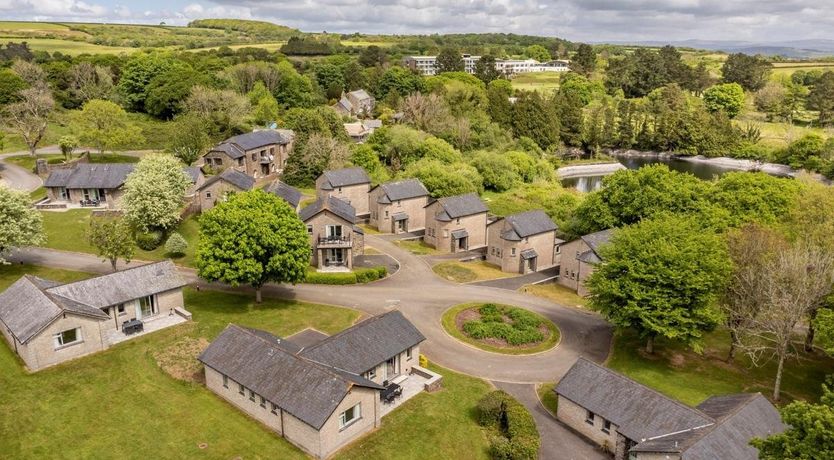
[(589, 417), (371, 374), (409, 353), (58, 339), (356, 415), (225, 381)]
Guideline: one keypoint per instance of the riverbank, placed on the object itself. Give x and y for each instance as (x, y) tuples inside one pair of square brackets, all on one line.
[(603, 169), (728, 163)]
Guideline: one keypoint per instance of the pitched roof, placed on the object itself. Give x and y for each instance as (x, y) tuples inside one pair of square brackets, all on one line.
[(90, 175), (638, 411), (366, 344), (236, 146), (193, 172), (344, 177), (122, 286), (260, 361), (372, 124), (525, 224), (289, 193), (360, 94), (232, 176), (457, 206), (595, 240), (401, 190), (332, 204)]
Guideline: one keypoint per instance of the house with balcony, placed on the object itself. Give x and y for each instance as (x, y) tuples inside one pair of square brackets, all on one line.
[(580, 257), (523, 243), (219, 187), (334, 237), (47, 323), (320, 393), (635, 422), (356, 103), (286, 192), (456, 223), (398, 206), (256, 154), (350, 185)]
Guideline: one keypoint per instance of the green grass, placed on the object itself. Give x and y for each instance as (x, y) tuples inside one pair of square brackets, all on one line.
[(369, 230), (417, 247), (556, 293), (448, 322), (28, 162), (70, 47), (37, 194), (467, 272), (58, 126), (67, 231), (440, 425), (540, 81), (691, 378), (548, 397)]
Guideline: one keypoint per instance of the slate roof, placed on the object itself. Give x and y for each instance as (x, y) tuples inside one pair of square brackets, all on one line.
[(457, 206), (372, 124), (529, 254), (240, 180), (344, 178), (525, 224), (366, 344), (401, 190), (236, 146), (193, 173), (332, 204), (308, 390), (638, 411), (595, 240), (288, 193), (360, 94), (90, 175), (589, 257)]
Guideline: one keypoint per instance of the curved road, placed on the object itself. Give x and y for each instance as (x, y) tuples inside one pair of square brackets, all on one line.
[(17, 177)]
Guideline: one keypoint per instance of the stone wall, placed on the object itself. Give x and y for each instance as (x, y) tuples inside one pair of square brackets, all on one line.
[(40, 351), (574, 415), (355, 195)]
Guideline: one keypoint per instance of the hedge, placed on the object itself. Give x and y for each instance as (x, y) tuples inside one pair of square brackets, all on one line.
[(360, 275), (524, 328), (518, 439)]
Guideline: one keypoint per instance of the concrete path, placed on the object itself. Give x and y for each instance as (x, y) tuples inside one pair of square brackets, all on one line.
[(516, 282), (558, 442), (17, 177)]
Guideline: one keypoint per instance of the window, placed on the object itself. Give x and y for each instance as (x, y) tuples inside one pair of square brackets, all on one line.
[(62, 193), (606, 426), (240, 161), (254, 157), (371, 374), (240, 388), (589, 417), (67, 337), (225, 381), (445, 233), (148, 305), (408, 353), (309, 229), (458, 221), (263, 402), (512, 251), (558, 249), (252, 395), (399, 204), (120, 309), (386, 214), (349, 416), (274, 409), (208, 194)]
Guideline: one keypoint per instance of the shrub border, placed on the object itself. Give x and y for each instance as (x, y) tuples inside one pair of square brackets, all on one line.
[(447, 320)]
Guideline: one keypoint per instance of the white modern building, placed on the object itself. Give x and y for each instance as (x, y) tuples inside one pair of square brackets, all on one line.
[(427, 65)]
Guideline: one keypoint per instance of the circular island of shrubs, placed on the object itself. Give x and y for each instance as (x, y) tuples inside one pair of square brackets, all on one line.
[(500, 328)]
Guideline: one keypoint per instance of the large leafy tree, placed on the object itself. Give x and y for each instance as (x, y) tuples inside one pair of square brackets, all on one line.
[(755, 197), (154, 192), (29, 117), (137, 74), (20, 224), (810, 432), (485, 69), (537, 52), (167, 91), (399, 81), (584, 62), (10, 86), (537, 119), (188, 138), (751, 72), (253, 238), (821, 98), (105, 125), (661, 277), (449, 59), (726, 97), (113, 239), (224, 111)]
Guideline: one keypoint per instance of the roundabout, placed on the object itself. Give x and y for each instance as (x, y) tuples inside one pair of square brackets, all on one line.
[(499, 328)]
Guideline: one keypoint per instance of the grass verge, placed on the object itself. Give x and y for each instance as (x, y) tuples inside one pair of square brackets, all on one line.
[(467, 272), (548, 397), (448, 322), (417, 247), (556, 293)]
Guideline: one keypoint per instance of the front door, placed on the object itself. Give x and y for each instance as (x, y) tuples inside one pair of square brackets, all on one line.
[(335, 257), (401, 226), (91, 194), (392, 367), (145, 307), (530, 265), (462, 243)]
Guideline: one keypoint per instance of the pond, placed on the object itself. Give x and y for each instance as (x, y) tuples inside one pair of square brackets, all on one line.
[(701, 170)]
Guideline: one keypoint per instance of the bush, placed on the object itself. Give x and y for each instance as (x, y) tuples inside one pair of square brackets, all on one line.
[(519, 439), (176, 245), (491, 407), (366, 275), (522, 329), (149, 241), (424, 362), (330, 278)]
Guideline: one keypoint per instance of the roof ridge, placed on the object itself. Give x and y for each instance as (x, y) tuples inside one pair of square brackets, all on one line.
[(749, 398), (113, 273), (349, 329)]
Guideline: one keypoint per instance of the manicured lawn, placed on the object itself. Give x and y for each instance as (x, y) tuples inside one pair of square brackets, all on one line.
[(555, 292), (448, 320), (541, 81), (548, 397), (120, 404), (417, 247), (37, 194), (691, 378), (369, 230), (67, 231), (440, 425), (467, 272)]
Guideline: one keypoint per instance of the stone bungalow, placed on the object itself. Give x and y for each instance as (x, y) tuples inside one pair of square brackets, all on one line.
[(637, 423), (350, 185), (334, 237), (579, 258), (320, 397), (256, 154), (286, 192), (46, 323), (456, 223), (218, 187), (523, 243), (356, 103), (397, 207)]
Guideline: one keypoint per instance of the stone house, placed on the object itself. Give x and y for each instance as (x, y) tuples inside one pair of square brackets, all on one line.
[(317, 397), (334, 237), (47, 323), (360, 131), (356, 104), (456, 223), (218, 187), (257, 154), (523, 243), (350, 185), (286, 192), (397, 207), (579, 258), (88, 184), (635, 422)]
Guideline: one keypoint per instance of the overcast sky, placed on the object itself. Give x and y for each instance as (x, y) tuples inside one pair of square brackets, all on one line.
[(579, 20)]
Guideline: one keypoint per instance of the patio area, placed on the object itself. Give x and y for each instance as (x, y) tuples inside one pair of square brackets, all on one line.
[(412, 385), (113, 336)]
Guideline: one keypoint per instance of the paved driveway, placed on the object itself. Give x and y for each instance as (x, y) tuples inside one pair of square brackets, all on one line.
[(17, 177), (516, 282)]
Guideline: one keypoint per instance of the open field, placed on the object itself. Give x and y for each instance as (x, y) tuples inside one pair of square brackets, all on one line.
[(539, 81), (271, 46), (786, 69), (70, 47)]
